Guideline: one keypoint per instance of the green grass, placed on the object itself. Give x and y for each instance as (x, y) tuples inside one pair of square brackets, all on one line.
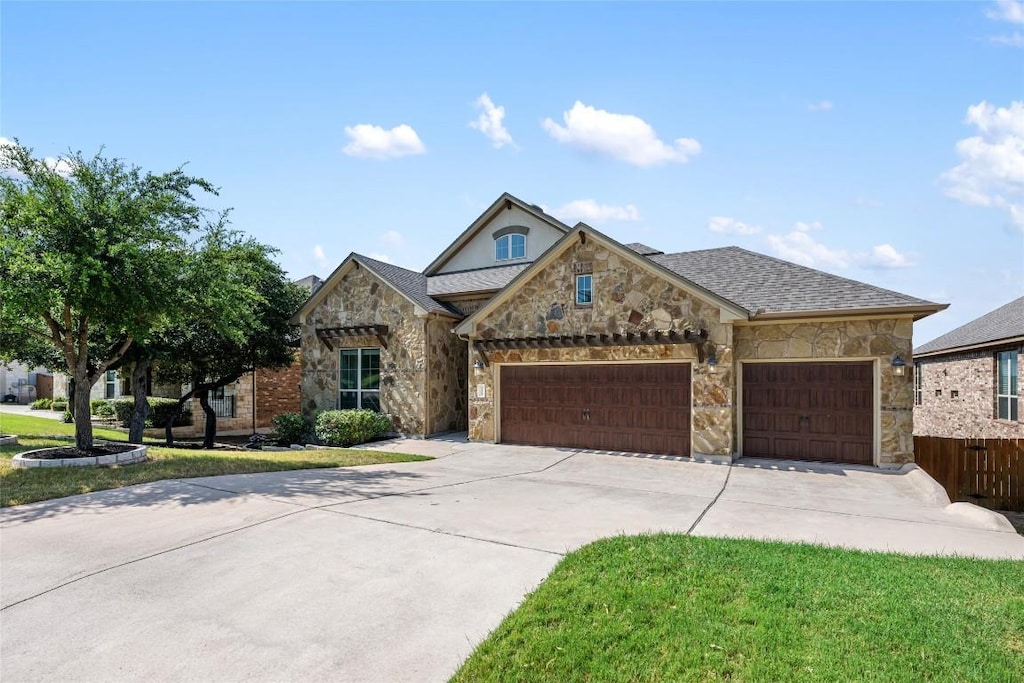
[(19, 486), (679, 608)]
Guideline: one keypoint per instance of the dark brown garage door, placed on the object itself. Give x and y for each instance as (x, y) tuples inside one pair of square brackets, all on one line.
[(639, 408), (809, 411)]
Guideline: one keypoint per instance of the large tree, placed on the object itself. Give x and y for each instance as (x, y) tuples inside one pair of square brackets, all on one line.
[(90, 257), (241, 303)]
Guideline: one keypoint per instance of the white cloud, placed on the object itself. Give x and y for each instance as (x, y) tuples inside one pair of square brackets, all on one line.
[(799, 246), (393, 238), (885, 256), (1015, 39), (824, 105), (374, 142), (588, 210), (621, 136), (868, 202), (381, 257), (60, 165), (724, 225), (1011, 11), (489, 122), (991, 169), (319, 257)]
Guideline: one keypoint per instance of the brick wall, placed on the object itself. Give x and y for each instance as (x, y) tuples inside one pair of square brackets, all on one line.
[(971, 412), (277, 391)]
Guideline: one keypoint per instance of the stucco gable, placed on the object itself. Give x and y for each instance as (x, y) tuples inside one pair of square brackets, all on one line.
[(474, 248), (625, 285)]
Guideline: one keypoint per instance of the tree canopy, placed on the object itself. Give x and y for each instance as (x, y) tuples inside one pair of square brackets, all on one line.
[(90, 257)]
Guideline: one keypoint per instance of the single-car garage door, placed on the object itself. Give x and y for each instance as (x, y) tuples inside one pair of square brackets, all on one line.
[(809, 411), (644, 408)]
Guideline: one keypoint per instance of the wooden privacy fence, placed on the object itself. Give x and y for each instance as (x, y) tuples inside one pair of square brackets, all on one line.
[(987, 472)]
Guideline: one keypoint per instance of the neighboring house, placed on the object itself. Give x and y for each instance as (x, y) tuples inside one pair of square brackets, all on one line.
[(20, 383), (524, 330), (966, 382), (110, 386)]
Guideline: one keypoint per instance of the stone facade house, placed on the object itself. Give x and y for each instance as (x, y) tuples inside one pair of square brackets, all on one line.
[(526, 330), (966, 382)]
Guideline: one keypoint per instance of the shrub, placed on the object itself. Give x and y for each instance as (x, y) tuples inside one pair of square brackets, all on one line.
[(68, 417), (59, 404), (41, 404), (159, 410), (347, 427), (95, 404), (292, 428), (104, 409)]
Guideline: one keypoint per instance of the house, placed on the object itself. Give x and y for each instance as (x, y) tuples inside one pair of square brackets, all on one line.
[(966, 382), (20, 383), (526, 330)]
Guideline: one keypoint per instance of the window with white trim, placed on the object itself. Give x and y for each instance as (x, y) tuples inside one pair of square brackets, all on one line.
[(111, 384), (1006, 385), (359, 381), (508, 247), (917, 384), (584, 290)]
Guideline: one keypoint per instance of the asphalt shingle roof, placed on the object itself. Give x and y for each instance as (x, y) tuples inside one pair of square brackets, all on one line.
[(408, 282), (1003, 323), (643, 249), (479, 280), (754, 281)]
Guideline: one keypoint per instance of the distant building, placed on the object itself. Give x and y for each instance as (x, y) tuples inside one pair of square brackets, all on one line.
[(966, 382)]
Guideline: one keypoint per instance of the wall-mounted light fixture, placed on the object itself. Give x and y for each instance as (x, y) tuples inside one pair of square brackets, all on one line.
[(712, 362), (478, 365), (899, 366)]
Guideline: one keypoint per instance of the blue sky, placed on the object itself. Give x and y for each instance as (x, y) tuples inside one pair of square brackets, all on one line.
[(880, 141)]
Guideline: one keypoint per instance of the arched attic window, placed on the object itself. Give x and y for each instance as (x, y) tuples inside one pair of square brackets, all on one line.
[(510, 243)]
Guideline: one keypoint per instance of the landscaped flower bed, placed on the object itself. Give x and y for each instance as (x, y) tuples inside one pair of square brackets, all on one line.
[(69, 456)]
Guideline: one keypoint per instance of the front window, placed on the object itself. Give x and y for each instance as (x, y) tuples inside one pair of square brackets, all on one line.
[(509, 247), (360, 379), (584, 290), (917, 384), (1006, 390), (111, 384)]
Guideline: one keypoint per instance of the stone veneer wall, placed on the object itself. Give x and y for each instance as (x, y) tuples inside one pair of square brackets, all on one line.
[(836, 340), (626, 298), (972, 414), (446, 377), (360, 298)]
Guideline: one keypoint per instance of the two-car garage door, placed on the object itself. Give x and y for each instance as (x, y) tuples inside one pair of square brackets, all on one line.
[(643, 408), (821, 411)]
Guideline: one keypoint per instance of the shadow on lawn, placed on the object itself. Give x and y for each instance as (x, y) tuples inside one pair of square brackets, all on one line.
[(332, 486)]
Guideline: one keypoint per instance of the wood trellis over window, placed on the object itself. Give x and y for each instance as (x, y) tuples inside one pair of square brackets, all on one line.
[(327, 334), (647, 338)]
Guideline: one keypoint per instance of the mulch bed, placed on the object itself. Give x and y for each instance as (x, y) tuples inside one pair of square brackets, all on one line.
[(72, 452)]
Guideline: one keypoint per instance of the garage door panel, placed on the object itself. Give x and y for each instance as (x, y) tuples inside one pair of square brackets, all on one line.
[(628, 407), (809, 411)]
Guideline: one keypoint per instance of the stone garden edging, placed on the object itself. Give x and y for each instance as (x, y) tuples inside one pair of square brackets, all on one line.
[(137, 454), (8, 440)]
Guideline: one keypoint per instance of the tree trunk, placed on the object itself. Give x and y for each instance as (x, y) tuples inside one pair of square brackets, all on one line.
[(210, 427), (83, 418), (71, 396), (141, 411)]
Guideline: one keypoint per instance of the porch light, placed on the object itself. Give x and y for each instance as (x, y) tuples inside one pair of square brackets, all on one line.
[(712, 362), (478, 365), (899, 366)]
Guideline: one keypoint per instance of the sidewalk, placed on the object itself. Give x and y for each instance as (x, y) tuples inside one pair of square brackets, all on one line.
[(16, 409)]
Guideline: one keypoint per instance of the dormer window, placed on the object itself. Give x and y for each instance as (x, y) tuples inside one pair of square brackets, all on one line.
[(510, 243)]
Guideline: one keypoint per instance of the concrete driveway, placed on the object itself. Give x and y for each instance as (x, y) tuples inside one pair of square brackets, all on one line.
[(392, 572)]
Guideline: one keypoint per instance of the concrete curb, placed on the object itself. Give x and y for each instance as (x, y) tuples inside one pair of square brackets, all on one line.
[(987, 519), (138, 454), (8, 440), (933, 491)]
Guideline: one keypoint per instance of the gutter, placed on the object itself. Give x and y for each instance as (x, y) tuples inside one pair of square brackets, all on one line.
[(970, 347), (919, 311)]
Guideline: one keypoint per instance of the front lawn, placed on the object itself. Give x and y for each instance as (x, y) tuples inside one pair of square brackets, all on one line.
[(680, 608), (19, 486)]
